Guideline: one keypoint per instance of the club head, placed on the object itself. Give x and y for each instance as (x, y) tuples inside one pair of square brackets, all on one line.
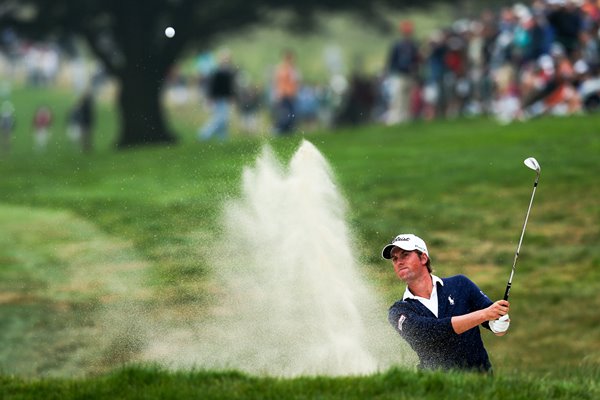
[(533, 164)]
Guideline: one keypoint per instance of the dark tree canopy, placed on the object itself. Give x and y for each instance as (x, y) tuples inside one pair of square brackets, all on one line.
[(127, 36)]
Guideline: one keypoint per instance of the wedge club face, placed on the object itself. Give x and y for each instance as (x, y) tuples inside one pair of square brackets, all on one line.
[(533, 164)]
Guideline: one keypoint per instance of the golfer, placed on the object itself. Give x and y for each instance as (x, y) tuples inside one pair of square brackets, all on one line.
[(440, 318)]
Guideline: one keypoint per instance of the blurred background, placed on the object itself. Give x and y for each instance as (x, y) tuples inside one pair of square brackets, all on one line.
[(71, 61)]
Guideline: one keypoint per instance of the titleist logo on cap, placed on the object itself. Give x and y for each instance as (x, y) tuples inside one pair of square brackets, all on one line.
[(406, 241)]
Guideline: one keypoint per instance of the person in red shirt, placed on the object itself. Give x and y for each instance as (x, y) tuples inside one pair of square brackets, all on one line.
[(42, 120)]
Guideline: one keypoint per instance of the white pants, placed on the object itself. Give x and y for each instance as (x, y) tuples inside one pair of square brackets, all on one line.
[(399, 108)]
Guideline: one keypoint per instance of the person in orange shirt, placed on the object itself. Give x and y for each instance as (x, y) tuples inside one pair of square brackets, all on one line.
[(287, 81)]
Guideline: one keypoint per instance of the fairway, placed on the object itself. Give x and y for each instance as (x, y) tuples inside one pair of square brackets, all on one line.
[(100, 252)]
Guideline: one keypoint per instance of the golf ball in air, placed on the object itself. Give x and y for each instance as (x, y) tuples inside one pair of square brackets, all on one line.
[(169, 32)]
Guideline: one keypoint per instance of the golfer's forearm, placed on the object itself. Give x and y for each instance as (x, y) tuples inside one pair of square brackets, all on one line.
[(463, 323)]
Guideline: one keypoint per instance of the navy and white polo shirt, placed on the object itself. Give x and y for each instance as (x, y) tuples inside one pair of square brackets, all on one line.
[(432, 337)]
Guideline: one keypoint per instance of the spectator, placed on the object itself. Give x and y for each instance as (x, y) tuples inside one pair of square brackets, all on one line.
[(475, 66), (434, 70), (287, 82), (7, 125), (358, 104), (591, 14), (221, 91), (559, 95), (42, 120), (307, 106), (456, 82), (538, 82), (507, 105), (86, 120), (249, 104), (589, 49), (205, 66), (566, 19), (402, 71), (80, 122), (73, 125), (589, 86), (530, 40), (502, 46)]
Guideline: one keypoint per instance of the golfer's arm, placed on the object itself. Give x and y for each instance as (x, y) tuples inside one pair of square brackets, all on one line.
[(463, 323)]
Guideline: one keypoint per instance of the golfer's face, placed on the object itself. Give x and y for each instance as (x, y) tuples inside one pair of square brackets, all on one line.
[(407, 264)]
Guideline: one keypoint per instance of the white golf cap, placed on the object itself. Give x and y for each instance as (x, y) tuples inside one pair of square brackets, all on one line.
[(406, 241)]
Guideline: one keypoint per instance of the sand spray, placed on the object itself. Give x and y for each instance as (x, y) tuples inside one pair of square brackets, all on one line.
[(291, 297)]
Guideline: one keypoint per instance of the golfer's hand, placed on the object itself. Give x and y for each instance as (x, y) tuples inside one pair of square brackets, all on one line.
[(500, 325), (496, 310)]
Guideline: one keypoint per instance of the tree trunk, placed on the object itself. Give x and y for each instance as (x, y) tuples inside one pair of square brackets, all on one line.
[(142, 119)]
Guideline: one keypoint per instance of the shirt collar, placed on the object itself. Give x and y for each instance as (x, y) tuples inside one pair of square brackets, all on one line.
[(435, 279)]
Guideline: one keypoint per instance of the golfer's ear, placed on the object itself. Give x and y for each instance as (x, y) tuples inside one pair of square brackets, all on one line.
[(424, 258)]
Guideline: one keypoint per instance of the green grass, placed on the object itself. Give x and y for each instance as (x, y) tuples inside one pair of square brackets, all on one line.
[(154, 383), (83, 236)]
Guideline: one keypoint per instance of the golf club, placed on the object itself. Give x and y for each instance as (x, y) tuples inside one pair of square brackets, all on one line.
[(534, 165)]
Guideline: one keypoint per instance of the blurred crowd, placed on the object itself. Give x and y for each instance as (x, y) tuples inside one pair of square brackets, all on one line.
[(521, 61), (47, 64)]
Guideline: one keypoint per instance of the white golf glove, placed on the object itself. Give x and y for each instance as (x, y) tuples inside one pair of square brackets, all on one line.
[(500, 325)]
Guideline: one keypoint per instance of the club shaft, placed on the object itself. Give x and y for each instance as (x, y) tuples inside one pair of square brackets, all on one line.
[(512, 272)]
